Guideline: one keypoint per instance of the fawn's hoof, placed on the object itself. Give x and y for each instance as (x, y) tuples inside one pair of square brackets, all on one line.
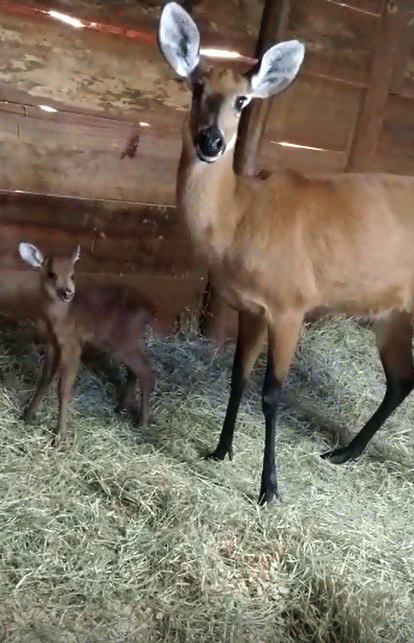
[(57, 440), (28, 416)]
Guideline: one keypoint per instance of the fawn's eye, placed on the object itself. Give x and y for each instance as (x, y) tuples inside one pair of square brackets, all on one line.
[(72, 276), (51, 274), (240, 102)]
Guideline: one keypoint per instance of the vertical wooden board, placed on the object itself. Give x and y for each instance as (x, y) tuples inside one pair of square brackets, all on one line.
[(314, 113)]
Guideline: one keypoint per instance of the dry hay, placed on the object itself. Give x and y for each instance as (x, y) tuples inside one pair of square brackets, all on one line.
[(133, 537)]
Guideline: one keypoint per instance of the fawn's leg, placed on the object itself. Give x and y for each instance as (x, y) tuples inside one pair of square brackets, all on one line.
[(139, 370), (50, 365), (69, 362)]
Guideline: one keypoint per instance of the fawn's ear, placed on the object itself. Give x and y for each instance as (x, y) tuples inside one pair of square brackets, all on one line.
[(179, 39), (76, 255), (31, 254), (277, 69)]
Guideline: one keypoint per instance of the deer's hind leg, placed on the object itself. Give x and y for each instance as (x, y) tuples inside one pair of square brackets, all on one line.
[(394, 340)]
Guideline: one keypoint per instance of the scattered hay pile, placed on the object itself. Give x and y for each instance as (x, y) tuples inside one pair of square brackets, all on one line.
[(134, 538)]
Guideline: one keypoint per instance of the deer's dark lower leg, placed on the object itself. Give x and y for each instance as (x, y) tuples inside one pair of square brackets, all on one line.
[(397, 391), (272, 389), (238, 383), (252, 329), (394, 340)]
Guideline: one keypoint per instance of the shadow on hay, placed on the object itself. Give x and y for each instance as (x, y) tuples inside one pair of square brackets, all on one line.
[(193, 383)]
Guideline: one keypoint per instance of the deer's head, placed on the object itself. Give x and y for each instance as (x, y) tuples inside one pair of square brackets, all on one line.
[(219, 95), (56, 272)]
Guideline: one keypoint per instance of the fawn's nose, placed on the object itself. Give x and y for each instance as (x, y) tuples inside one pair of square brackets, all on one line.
[(65, 294), (209, 142)]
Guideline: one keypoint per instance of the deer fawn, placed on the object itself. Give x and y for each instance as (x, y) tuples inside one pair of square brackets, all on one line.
[(281, 245), (108, 316)]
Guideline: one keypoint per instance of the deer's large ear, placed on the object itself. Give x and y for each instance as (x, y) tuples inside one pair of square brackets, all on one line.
[(31, 254), (277, 69), (179, 39), (76, 255)]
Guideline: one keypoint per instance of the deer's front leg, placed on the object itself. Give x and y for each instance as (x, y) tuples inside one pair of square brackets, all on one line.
[(283, 337), (252, 330)]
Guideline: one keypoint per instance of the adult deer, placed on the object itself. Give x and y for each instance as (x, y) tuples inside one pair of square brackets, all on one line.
[(114, 317), (282, 245)]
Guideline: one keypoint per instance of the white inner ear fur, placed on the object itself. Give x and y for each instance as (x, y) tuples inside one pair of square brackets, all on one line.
[(31, 254), (179, 39), (76, 255), (279, 67)]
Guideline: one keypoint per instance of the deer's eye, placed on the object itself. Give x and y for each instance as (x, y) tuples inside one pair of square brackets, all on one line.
[(51, 274), (240, 102)]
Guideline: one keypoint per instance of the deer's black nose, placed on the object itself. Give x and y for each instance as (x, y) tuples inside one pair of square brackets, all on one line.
[(209, 142), (65, 294)]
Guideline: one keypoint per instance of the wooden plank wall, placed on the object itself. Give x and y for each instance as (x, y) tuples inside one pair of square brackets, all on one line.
[(320, 111), (114, 142)]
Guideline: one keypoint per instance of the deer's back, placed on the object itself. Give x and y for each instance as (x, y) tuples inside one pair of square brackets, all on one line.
[(343, 241)]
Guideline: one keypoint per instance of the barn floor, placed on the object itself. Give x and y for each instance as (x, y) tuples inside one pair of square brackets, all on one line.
[(133, 537)]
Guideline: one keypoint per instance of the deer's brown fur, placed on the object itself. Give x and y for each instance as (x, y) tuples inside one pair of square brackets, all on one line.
[(282, 245)]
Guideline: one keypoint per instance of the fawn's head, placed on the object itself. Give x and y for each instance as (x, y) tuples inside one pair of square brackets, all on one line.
[(219, 95), (56, 272)]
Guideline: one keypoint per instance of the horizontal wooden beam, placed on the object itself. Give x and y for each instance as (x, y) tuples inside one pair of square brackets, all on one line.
[(120, 238)]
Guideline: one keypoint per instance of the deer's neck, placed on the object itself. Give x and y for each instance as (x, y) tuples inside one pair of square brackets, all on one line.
[(206, 193)]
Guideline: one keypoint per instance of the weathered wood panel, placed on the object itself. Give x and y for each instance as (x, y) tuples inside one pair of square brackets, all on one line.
[(403, 80), (338, 39), (395, 152), (310, 127), (91, 70), (384, 58), (275, 157), (83, 68), (117, 238), (145, 247), (65, 156), (314, 113), (234, 20)]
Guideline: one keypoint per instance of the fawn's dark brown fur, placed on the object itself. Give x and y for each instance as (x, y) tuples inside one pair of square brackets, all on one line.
[(113, 317)]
